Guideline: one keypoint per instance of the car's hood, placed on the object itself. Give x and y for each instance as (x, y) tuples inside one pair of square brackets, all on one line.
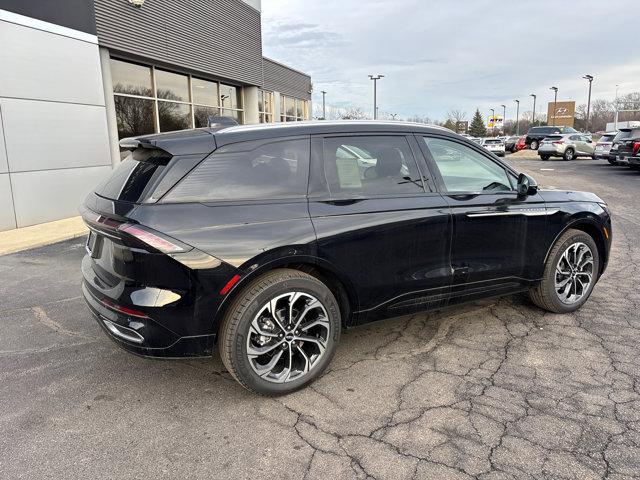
[(553, 195)]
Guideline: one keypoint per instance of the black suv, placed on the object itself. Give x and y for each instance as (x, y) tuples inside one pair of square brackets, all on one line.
[(625, 147), (536, 134), (266, 241)]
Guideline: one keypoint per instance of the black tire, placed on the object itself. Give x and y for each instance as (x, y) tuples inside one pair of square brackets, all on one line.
[(235, 328), (612, 162), (569, 154), (545, 157), (534, 144), (544, 294)]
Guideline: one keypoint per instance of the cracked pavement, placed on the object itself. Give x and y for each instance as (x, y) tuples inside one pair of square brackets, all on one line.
[(493, 390)]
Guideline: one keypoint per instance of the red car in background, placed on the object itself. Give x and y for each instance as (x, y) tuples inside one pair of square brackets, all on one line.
[(520, 144)]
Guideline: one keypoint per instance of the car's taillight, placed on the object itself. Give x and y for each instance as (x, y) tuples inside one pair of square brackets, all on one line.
[(153, 239), (558, 142), (636, 147)]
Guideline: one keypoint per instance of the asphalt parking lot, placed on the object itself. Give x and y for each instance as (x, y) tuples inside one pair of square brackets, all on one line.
[(493, 390)]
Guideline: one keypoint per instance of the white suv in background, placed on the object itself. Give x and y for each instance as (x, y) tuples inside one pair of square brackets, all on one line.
[(567, 146), (494, 145)]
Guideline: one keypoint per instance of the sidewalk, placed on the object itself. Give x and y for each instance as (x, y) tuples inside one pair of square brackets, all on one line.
[(42, 234)]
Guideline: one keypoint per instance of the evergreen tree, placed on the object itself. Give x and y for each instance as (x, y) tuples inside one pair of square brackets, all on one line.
[(477, 128), (450, 125)]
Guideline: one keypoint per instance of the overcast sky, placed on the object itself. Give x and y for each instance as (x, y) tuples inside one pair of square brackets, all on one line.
[(441, 55)]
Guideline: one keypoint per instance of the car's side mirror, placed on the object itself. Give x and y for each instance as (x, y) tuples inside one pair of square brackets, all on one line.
[(526, 185)]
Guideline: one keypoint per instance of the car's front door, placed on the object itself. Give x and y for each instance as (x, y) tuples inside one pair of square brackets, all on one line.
[(379, 220), (498, 236)]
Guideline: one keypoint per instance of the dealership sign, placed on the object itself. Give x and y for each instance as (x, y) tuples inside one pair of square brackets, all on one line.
[(495, 121), (561, 114)]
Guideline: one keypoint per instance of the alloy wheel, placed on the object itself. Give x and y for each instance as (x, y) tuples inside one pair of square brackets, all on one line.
[(288, 337), (574, 273)]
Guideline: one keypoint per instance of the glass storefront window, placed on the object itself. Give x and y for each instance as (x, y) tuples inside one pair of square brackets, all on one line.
[(174, 116), (230, 96), (292, 109), (131, 79), (235, 114), (172, 86), (134, 116), (201, 115), (265, 106), (205, 92)]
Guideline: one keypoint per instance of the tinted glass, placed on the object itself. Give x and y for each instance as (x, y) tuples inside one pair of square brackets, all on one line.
[(568, 130), (130, 78), (261, 171), (493, 142), (290, 106), (205, 92), (229, 96), (172, 86), (370, 165), (623, 134), (174, 116), (134, 116), (465, 170), (575, 138), (201, 115), (606, 138), (130, 180)]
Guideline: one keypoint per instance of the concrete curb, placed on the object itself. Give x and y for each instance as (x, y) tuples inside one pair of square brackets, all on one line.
[(19, 239)]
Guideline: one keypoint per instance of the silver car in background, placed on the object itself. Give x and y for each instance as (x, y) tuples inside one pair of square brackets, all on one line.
[(603, 146), (494, 145), (567, 146)]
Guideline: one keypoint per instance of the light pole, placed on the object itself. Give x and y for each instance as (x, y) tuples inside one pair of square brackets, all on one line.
[(615, 120), (493, 122), (555, 100), (589, 78), (393, 116), (517, 113), (324, 105), (375, 79), (533, 115), (504, 117)]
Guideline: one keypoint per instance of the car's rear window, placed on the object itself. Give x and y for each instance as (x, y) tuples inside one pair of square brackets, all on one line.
[(623, 134), (248, 171), (492, 142), (553, 137), (606, 138), (568, 130)]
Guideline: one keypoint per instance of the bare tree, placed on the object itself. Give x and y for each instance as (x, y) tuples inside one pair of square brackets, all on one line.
[(353, 113), (456, 116)]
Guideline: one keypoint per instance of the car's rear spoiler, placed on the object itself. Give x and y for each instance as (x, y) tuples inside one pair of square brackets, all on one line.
[(183, 142)]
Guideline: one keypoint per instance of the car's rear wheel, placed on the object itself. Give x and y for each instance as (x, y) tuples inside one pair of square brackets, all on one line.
[(534, 144), (570, 273), (611, 161), (569, 154), (545, 157), (280, 332)]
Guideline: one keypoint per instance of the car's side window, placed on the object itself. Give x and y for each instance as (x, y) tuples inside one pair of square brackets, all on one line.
[(357, 166), (465, 170), (575, 138), (248, 171)]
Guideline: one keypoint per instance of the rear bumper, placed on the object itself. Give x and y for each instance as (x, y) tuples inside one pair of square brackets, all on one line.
[(144, 336), (633, 160), (550, 151)]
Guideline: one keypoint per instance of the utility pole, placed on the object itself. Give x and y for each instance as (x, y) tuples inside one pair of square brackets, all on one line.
[(615, 121), (517, 113), (555, 100), (324, 105), (375, 79), (589, 78), (393, 116), (533, 115), (504, 117)]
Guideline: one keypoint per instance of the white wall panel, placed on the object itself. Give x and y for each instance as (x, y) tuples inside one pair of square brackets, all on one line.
[(7, 217), (46, 66), (49, 135), (4, 166), (53, 194)]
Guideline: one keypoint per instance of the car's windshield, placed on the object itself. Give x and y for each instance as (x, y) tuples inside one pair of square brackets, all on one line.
[(568, 130)]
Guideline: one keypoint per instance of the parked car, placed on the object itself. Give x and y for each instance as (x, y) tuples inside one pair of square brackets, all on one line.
[(603, 146), (568, 146), (634, 158), (536, 134), (521, 143), (510, 143), (494, 145), (263, 242), (622, 147)]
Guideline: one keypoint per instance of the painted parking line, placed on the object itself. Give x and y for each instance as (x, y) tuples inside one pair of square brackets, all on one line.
[(548, 169)]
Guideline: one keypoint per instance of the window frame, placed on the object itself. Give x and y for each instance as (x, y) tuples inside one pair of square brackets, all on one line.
[(284, 117), (437, 176), (319, 186)]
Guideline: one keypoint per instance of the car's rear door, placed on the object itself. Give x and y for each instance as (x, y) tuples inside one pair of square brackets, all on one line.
[(498, 236), (379, 220)]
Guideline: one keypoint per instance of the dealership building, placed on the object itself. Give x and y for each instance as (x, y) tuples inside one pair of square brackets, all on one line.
[(78, 75)]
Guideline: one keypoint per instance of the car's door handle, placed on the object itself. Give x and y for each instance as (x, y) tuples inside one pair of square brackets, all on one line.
[(349, 201)]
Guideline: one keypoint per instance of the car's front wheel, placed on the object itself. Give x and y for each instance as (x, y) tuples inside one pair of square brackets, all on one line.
[(280, 332), (570, 273)]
